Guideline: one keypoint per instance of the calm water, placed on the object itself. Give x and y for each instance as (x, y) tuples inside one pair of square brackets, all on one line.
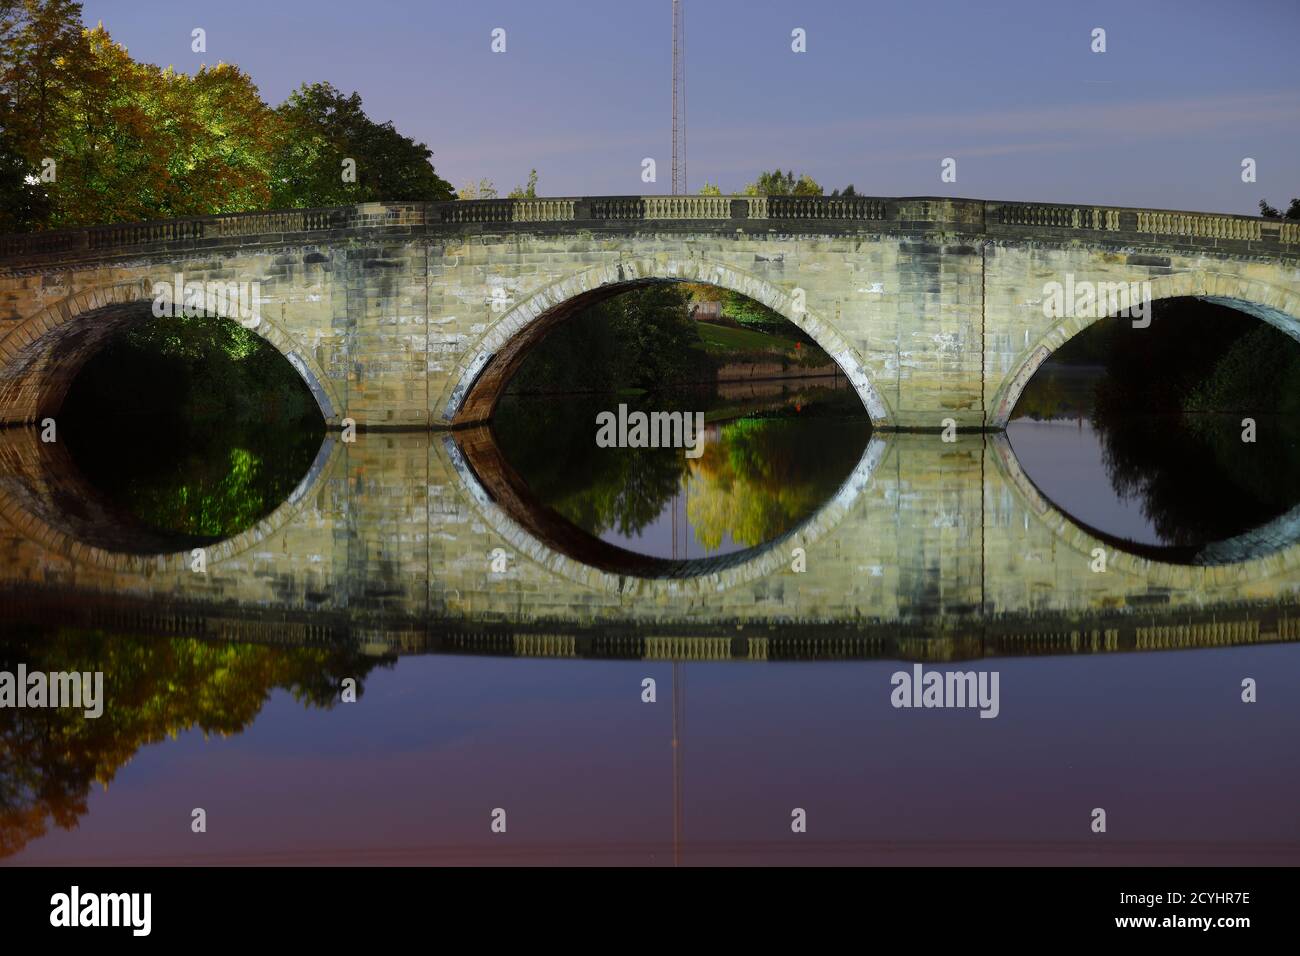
[(772, 462), (1161, 481), (768, 464), (200, 485), (586, 770)]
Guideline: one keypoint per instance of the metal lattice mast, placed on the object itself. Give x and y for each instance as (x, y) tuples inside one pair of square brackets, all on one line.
[(679, 98)]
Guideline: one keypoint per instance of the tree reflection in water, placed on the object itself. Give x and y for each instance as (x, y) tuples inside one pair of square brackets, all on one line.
[(766, 467), (1167, 405), (154, 688), (191, 426), (764, 476)]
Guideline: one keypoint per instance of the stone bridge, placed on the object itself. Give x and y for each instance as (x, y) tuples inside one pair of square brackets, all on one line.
[(406, 316), (415, 314)]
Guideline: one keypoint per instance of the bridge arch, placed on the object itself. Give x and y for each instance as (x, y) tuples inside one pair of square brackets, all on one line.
[(40, 358), (497, 355), (1273, 304)]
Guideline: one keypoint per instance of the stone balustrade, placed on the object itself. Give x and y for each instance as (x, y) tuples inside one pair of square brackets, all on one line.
[(688, 207), (1190, 224), (994, 217), (542, 210)]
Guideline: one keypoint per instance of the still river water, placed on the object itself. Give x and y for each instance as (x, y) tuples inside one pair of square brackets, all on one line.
[(585, 768)]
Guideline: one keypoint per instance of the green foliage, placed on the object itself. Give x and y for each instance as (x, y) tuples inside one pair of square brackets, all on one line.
[(323, 127), (24, 204), (759, 318), (762, 475), (1153, 370), (703, 292), (741, 344), (655, 322), (1260, 372), (1197, 481), (41, 44), (199, 369), (1159, 408), (598, 490), (726, 339), (133, 141), (241, 426), (642, 339), (777, 183), (749, 313), (202, 485), (483, 189), (647, 339)]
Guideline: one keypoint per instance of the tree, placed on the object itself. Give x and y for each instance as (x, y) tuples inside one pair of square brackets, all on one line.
[(483, 189), (226, 149), (777, 183), (1269, 212), (128, 140), (24, 204), (324, 129), (40, 44), (642, 338), (133, 141), (111, 150), (761, 477), (39, 41)]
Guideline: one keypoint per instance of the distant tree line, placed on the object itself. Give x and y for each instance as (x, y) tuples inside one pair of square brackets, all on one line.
[(777, 183)]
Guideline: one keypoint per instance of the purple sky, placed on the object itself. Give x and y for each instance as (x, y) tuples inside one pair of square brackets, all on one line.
[(1186, 89)]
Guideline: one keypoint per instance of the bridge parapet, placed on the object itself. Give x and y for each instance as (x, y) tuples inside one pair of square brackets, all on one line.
[(1058, 217), (995, 219)]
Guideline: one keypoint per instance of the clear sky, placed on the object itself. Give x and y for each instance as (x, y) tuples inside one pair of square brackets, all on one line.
[(1010, 88)]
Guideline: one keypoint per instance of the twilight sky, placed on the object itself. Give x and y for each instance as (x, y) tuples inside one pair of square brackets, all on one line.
[(885, 91)]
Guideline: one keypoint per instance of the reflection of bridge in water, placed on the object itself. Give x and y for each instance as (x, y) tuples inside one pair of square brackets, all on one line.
[(930, 550)]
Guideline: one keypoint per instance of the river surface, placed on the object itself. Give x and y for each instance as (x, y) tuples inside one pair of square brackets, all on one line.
[(583, 762)]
